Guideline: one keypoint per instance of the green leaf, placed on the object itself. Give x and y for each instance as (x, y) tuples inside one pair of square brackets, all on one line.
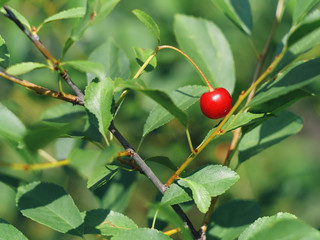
[(200, 195), (117, 194), (215, 178), (278, 227), (301, 10), (65, 14), (239, 12), (50, 205), (295, 77), (230, 219), (205, 43), (142, 234), (159, 97), (88, 67), (87, 161), (148, 22), (7, 231), (4, 54), (24, 67), (41, 134), (142, 55), (11, 127), (114, 223), (268, 134), (301, 39), (244, 119), (277, 104), (113, 59), (63, 113), (96, 10), (101, 176), (21, 18), (163, 161), (105, 7), (106, 222), (183, 97), (98, 100)]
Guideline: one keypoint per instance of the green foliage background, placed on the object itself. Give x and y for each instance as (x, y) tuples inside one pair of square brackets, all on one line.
[(283, 178)]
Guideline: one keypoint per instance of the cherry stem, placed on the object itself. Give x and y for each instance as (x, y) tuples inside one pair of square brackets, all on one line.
[(194, 64)]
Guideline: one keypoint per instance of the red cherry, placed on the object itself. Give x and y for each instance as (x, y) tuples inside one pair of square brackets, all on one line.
[(216, 104)]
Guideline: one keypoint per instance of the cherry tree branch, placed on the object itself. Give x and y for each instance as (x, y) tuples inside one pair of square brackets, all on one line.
[(36, 41), (42, 90)]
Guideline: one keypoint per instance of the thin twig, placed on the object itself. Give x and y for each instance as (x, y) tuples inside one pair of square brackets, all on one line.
[(36, 166), (36, 41), (41, 90)]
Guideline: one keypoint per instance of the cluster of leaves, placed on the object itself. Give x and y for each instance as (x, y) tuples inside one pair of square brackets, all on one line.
[(108, 75)]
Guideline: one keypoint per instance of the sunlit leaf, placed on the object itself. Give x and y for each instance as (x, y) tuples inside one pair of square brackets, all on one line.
[(7, 231), (10, 125), (244, 119), (65, 14), (270, 132), (49, 204), (278, 227), (200, 195), (107, 223), (215, 178), (24, 67), (98, 100), (148, 22)]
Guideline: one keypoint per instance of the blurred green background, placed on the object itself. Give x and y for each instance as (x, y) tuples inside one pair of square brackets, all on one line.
[(284, 178)]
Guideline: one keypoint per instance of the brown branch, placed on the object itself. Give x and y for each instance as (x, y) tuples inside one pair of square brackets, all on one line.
[(41, 90), (36, 41), (153, 178)]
